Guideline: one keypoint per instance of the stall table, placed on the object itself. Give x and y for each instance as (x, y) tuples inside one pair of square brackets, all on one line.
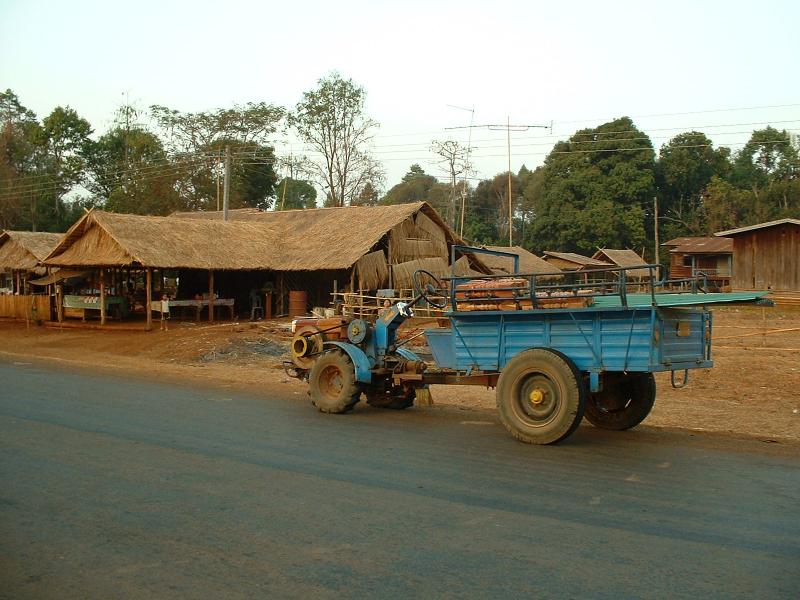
[(198, 305), (76, 306)]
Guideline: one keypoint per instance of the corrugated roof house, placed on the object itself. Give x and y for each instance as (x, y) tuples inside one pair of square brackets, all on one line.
[(570, 261), (528, 262), (706, 256), (623, 258)]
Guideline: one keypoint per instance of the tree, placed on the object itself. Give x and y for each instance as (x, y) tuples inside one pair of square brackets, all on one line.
[(686, 165), (199, 139), (40, 163), (417, 186), (129, 171), (594, 190), (331, 119), (368, 196), (295, 193), (726, 206), (768, 165), (454, 158), (250, 123)]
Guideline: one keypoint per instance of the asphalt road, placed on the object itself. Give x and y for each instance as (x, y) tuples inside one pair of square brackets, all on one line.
[(120, 488)]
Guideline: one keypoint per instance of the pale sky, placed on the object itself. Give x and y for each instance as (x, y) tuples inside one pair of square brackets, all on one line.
[(672, 66)]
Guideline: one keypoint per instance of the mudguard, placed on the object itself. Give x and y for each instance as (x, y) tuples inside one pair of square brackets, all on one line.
[(360, 360), (407, 354)]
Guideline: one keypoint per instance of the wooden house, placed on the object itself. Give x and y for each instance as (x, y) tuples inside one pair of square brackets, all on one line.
[(766, 256), (709, 257)]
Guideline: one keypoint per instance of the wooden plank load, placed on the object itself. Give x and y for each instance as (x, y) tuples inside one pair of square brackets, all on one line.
[(511, 293)]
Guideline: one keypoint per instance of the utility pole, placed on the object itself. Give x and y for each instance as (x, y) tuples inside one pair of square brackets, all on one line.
[(508, 127), (655, 225), (510, 208), (227, 186), (219, 160), (467, 167)]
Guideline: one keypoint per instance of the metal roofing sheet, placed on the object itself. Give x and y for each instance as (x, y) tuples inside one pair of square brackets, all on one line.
[(681, 299)]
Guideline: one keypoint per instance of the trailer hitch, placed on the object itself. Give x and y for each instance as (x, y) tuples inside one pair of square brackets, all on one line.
[(683, 383)]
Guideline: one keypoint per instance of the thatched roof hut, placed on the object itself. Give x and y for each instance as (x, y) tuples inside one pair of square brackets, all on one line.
[(24, 250), (529, 263), (296, 240)]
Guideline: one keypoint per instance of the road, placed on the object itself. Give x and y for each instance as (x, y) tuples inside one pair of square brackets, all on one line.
[(124, 488)]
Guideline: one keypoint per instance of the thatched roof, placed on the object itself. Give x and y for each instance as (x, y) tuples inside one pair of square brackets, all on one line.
[(623, 258), (296, 240), (23, 250), (529, 263)]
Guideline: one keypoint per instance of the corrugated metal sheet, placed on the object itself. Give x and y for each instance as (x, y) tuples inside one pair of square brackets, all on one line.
[(705, 245)]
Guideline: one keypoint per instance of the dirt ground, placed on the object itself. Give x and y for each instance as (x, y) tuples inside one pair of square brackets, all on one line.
[(753, 389)]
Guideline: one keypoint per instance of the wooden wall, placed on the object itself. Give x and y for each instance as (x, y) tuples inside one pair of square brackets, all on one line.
[(767, 259), (677, 270), (22, 307)]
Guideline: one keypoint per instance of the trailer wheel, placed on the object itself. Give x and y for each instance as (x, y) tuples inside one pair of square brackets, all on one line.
[(332, 383), (395, 399), (626, 400), (540, 396)]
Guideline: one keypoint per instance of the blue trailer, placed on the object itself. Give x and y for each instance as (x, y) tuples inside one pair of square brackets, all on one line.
[(556, 352)]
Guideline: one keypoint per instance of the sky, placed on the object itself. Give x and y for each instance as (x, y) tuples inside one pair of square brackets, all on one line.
[(724, 68)]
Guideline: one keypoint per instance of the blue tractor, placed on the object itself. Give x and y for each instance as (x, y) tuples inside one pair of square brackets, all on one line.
[(555, 352)]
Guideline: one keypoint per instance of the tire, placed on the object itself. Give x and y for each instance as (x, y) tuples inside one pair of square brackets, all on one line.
[(395, 399), (540, 396), (332, 383), (625, 401)]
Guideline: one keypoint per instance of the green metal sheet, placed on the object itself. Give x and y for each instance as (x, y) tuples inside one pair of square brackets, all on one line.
[(687, 299)]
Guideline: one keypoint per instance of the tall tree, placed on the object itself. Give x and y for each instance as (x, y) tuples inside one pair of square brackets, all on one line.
[(686, 165), (332, 120), (40, 163), (769, 166), (199, 139), (129, 171), (595, 188)]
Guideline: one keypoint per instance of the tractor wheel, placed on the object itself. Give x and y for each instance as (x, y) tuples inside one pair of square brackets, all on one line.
[(396, 398), (625, 401), (540, 396), (332, 383)]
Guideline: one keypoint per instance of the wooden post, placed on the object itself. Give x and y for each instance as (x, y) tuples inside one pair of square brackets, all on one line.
[(19, 290), (281, 305), (210, 295), (60, 302), (102, 296), (148, 293)]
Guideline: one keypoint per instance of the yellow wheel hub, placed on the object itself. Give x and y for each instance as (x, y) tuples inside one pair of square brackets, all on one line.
[(536, 396)]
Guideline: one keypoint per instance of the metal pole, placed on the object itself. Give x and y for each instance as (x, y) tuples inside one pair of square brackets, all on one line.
[(227, 186)]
